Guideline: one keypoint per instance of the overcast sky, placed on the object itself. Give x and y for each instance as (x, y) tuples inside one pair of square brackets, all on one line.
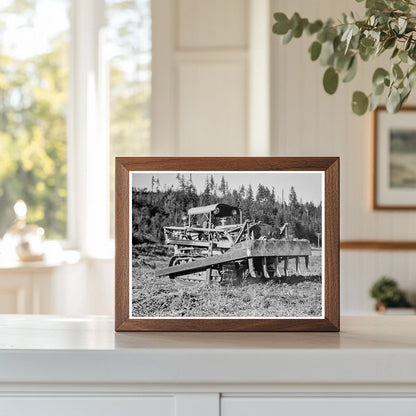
[(308, 185)]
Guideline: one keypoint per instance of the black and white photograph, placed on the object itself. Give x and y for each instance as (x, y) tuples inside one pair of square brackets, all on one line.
[(226, 244)]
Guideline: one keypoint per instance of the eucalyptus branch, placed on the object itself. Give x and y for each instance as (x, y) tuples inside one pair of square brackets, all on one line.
[(388, 25)]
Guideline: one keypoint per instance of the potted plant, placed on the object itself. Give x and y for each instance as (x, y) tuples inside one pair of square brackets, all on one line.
[(387, 294), (389, 27)]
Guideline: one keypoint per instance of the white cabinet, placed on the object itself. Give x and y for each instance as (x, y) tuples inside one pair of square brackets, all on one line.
[(272, 406), (80, 366), (88, 406)]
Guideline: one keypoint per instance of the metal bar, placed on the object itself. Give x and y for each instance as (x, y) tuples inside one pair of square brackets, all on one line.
[(264, 263), (285, 265), (251, 267), (276, 265)]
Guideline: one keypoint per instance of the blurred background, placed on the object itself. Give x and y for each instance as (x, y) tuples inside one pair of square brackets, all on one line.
[(83, 81)]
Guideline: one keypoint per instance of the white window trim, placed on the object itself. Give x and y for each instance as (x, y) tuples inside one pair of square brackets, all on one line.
[(88, 138)]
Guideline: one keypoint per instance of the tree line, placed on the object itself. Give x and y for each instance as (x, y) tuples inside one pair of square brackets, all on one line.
[(154, 208)]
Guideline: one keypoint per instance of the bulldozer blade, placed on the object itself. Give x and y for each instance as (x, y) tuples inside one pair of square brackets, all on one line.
[(264, 264), (251, 268), (276, 270)]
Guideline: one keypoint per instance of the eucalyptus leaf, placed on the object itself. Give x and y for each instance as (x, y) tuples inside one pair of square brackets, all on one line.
[(379, 75), (389, 43), (314, 27), (288, 37), (378, 89), (315, 50), (341, 62), (330, 80), (367, 42), (408, 42), (376, 4), (402, 22), (359, 103), (327, 54), (374, 102), (281, 27), (395, 52), (351, 71), (403, 56), (397, 71), (393, 101)]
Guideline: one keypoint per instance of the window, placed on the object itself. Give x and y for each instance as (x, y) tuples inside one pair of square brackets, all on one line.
[(75, 87), (129, 46), (33, 102)]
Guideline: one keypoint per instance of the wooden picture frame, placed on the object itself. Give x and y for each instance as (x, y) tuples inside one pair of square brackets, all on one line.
[(130, 169), (394, 184)]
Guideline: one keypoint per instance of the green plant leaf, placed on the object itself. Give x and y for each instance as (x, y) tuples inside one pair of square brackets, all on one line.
[(359, 103), (397, 71), (315, 50), (314, 27), (408, 42), (393, 101), (376, 4), (367, 42), (330, 80), (327, 53), (298, 30), (395, 52), (341, 61), (288, 37), (402, 22), (351, 70), (374, 101), (379, 75), (389, 43), (281, 27), (403, 56)]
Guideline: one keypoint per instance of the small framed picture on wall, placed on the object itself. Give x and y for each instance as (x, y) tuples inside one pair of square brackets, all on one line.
[(394, 159)]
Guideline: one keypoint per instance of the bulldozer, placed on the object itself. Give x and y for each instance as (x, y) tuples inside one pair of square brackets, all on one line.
[(216, 245)]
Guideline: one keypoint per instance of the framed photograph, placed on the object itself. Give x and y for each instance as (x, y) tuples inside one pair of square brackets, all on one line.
[(394, 178), (227, 244)]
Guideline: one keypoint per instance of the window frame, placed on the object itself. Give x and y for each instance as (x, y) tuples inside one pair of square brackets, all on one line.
[(87, 133)]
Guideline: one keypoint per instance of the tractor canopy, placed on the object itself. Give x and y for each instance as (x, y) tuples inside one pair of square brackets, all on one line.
[(217, 210)]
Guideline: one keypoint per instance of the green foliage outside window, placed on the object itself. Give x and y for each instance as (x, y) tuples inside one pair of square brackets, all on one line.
[(33, 100)]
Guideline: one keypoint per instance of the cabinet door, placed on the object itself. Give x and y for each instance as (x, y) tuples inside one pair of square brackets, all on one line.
[(88, 406), (276, 406)]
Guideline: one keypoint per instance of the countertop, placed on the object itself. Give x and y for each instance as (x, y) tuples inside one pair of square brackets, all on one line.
[(50, 349)]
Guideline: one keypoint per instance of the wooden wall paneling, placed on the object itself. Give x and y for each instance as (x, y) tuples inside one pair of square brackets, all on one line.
[(212, 24), (306, 121)]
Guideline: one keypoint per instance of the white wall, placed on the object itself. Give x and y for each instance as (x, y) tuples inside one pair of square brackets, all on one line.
[(308, 122), (218, 79), (200, 78)]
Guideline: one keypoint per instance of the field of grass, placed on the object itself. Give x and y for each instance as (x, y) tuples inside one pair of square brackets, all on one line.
[(293, 296)]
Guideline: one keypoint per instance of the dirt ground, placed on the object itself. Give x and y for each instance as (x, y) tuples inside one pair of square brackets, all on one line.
[(292, 296)]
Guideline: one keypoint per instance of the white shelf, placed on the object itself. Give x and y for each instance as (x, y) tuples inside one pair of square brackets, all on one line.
[(47, 349)]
